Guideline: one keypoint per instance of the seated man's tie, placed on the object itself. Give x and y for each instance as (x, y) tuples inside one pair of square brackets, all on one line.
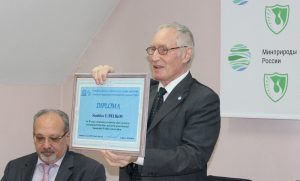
[(46, 169)]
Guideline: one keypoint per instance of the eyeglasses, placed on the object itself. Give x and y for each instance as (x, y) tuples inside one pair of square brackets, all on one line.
[(52, 139), (162, 50)]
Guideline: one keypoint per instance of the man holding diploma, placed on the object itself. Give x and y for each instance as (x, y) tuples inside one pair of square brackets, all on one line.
[(184, 115)]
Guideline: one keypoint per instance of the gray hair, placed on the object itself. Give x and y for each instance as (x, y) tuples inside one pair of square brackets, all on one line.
[(62, 114), (184, 35)]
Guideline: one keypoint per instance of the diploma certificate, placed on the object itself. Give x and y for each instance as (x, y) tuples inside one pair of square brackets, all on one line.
[(112, 116)]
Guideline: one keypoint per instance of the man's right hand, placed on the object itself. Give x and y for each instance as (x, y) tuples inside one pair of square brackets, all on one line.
[(100, 73), (117, 159)]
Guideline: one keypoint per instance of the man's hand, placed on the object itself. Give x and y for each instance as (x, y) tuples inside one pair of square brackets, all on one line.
[(100, 73), (117, 159)]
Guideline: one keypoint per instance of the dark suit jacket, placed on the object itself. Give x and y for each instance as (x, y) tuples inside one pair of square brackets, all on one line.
[(182, 135), (74, 167)]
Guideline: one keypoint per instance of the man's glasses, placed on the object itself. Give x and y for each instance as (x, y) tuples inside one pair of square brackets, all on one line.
[(162, 50), (52, 139)]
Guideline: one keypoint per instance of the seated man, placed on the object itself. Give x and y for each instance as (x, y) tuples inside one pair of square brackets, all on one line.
[(52, 159)]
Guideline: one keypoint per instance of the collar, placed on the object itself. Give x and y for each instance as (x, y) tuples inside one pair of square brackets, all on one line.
[(173, 83)]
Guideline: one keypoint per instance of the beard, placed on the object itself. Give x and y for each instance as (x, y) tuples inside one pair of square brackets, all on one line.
[(48, 156)]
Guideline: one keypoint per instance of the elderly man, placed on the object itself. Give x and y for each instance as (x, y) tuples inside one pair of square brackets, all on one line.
[(182, 133), (52, 160)]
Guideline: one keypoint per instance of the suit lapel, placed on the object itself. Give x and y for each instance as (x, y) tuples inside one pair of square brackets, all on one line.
[(29, 167), (178, 95), (153, 91), (65, 169), (152, 95)]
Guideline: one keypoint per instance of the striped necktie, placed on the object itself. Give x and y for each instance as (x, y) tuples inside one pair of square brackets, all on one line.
[(46, 169)]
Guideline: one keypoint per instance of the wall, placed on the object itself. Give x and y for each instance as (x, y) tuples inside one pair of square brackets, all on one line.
[(17, 106), (259, 149)]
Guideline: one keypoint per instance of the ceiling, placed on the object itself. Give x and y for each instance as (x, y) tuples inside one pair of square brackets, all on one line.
[(42, 41)]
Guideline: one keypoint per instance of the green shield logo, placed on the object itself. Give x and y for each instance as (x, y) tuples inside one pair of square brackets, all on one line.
[(275, 85), (277, 17)]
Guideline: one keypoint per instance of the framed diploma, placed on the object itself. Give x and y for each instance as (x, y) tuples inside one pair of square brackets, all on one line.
[(112, 116)]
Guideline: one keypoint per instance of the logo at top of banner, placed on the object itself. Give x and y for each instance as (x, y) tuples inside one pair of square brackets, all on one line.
[(240, 2), (275, 85), (239, 57), (277, 17)]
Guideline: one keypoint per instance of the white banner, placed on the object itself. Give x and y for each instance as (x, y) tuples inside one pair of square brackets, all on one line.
[(260, 59)]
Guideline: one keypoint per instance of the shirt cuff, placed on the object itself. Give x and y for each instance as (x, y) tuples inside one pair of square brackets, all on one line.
[(140, 161)]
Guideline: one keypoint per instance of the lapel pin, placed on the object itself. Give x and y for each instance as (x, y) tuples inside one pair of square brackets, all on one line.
[(179, 98)]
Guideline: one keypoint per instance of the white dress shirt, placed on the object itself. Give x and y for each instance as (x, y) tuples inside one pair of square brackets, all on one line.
[(38, 172)]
